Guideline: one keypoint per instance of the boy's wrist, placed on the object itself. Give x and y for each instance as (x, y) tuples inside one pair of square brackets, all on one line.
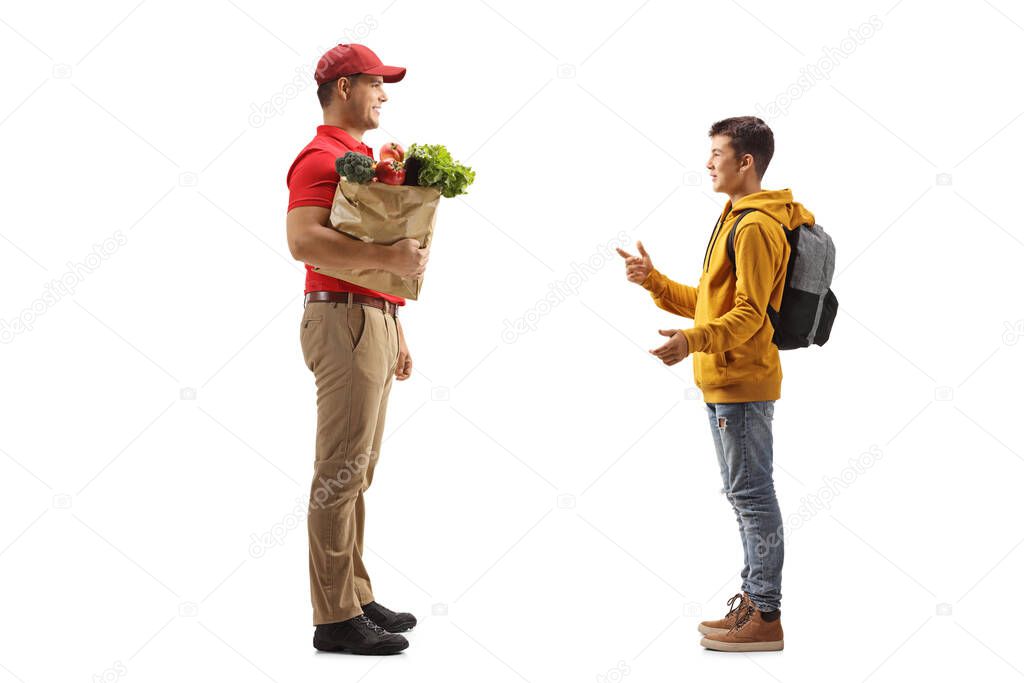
[(652, 282)]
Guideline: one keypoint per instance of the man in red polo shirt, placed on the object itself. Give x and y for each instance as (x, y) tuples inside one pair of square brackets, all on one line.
[(354, 345)]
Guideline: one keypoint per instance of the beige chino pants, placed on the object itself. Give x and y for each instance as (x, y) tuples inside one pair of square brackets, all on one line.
[(352, 351)]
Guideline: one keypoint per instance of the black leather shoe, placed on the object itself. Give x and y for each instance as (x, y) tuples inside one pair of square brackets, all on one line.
[(395, 622), (358, 636)]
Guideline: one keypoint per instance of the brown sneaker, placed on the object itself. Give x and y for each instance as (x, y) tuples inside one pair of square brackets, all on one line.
[(729, 620), (750, 634)]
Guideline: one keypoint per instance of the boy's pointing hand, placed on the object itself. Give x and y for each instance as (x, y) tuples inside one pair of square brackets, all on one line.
[(637, 267)]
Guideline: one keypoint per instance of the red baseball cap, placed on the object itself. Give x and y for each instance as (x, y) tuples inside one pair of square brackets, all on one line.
[(348, 59)]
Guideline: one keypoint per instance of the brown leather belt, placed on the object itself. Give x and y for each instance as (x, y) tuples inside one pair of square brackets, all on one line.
[(361, 299)]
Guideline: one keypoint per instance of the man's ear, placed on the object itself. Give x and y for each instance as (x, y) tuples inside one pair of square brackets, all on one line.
[(342, 87)]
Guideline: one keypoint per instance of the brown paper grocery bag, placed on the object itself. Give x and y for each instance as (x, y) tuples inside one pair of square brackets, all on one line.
[(383, 214)]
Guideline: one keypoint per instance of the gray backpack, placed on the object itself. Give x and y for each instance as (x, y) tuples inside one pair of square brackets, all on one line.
[(808, 306)]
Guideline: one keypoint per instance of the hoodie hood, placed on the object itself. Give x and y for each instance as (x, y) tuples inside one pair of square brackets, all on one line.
[(778, 204)]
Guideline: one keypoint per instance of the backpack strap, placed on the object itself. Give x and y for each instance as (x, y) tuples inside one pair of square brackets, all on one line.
[(730, 242)]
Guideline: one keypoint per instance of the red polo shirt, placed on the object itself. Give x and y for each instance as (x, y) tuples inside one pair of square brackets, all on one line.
[(312, 181)]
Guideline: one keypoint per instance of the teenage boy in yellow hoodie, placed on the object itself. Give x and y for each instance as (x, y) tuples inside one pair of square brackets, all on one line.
[(735, 363)]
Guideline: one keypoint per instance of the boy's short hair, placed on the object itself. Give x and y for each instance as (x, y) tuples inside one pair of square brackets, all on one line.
[(749, 135)]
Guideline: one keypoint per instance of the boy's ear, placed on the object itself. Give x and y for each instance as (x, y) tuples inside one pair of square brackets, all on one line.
[(747, 162)]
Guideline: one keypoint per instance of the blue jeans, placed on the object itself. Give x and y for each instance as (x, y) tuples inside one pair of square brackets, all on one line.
[(743, 440)]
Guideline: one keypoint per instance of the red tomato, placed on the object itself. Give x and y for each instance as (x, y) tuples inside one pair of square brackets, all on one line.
[(392, 150), (391, 172)]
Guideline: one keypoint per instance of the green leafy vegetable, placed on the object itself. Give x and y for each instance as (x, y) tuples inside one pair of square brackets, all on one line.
[(356, 167), (438, 169)]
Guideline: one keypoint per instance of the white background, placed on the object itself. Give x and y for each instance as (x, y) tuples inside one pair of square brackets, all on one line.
[(549, 506)]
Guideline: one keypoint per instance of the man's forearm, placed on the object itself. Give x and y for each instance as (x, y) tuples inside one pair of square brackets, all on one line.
[(325, 247)]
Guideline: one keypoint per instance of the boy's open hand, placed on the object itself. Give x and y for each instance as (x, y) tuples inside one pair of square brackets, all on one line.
[(637, 267), (674, 350)]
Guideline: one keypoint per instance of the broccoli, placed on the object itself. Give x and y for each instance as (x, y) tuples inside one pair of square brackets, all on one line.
[(355, 167)]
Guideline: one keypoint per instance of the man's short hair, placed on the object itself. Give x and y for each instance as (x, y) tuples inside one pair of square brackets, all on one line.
[(325, 93), (749, 135)]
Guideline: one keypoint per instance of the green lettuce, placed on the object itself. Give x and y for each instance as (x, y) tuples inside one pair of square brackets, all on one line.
[(438, 169)]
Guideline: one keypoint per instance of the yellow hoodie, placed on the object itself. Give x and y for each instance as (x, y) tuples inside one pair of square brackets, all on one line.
[(734, 359)]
